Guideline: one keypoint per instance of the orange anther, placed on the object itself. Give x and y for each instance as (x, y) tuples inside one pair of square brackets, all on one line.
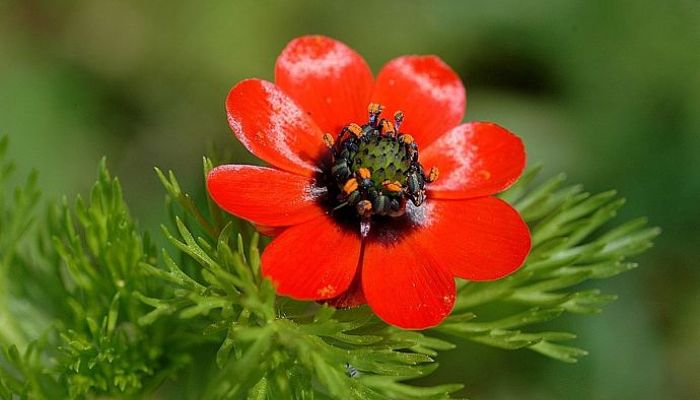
[(328, 140), (364, 173), (398, 116), (364, 208), (350, 186), (355, 129), (387, 126), (433, 174), (375, 108), (394, 186), (408, 139)]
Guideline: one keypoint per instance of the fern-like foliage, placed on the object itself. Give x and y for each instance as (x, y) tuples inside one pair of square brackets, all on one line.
[(17, 209), (75, 287), (90, 308)]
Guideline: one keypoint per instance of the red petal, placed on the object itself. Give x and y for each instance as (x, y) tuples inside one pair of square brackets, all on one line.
[(427, 90), (312, 261), (474, 159), (273, 127), (404, 285), (264, 196), (330, 81), (478, 239)]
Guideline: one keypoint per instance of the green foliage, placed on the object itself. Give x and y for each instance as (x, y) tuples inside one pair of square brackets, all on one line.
[(90, 308), (16, 215), (80, 279)]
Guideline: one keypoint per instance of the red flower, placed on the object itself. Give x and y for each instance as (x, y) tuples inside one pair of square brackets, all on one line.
[(356, 217)]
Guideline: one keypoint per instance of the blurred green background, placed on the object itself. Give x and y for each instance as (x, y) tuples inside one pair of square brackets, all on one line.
[(607, 91)]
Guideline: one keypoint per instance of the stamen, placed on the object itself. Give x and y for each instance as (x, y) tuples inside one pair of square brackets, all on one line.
[(355, 129), (364, 173), (328, 140), (413, 182), (433, 175), (364, 208), (394, 186), (398, 119), (374, 110), (387, 127), (406, 138), (350, 186)]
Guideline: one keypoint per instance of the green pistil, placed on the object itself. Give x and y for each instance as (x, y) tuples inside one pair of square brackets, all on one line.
[(385, 157)]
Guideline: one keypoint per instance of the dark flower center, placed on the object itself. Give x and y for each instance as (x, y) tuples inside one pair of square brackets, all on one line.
[(375, 168)]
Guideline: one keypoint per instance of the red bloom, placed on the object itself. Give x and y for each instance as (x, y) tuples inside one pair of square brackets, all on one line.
[(356, 217)]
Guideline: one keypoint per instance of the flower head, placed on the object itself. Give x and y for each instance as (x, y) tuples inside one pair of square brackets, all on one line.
[(377, 193)]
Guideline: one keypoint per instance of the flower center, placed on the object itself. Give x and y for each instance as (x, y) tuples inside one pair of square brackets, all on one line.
[(375, 168)]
